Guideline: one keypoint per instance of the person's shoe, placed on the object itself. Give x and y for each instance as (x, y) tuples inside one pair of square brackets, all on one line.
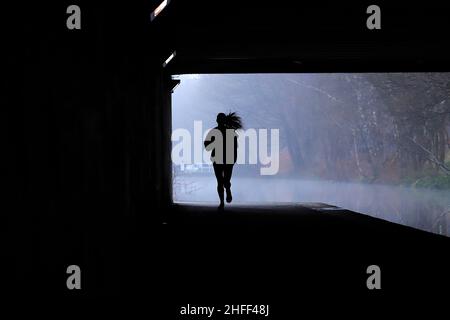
[(221, 206), (229, 196)]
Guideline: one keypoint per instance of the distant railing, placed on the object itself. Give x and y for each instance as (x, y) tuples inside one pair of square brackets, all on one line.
[(202, 168)]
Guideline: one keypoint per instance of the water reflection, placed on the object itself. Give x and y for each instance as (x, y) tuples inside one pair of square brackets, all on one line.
[(424, 209)]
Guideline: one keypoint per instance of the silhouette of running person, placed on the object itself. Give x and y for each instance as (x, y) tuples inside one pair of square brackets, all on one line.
[(222, 142)]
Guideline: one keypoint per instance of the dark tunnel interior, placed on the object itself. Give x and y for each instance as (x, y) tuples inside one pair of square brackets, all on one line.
[(89, 170)]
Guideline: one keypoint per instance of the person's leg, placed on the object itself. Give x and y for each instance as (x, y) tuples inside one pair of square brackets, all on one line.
[(227, 181), (219, 173)]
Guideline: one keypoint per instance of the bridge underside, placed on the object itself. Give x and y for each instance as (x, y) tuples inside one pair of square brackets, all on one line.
[(88, 174)]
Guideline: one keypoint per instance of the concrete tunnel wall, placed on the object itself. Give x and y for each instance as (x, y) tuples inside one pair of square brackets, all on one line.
[(95, 119), (90, 125)]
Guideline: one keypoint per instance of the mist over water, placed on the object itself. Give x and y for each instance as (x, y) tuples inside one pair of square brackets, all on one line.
[(377, 144), (423, 209)]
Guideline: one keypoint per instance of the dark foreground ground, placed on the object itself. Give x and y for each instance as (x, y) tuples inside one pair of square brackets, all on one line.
[(296, 258)]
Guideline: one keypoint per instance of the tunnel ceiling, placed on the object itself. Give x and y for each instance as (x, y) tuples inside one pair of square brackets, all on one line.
[(229, 36)]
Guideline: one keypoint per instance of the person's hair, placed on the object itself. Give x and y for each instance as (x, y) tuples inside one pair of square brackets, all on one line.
[(230, 120)]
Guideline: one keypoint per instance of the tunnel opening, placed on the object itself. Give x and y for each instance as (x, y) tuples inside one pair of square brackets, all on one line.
[(372, 143)]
